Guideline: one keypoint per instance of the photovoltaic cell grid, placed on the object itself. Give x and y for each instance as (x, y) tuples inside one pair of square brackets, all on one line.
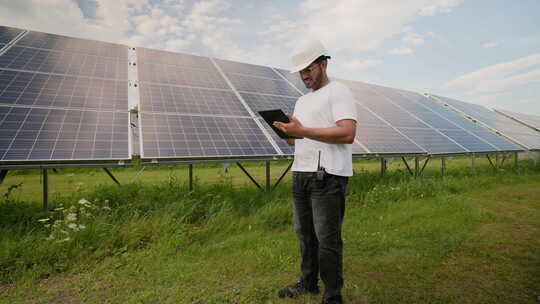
[(506, 126), (408, 101), (258, 102), (498, 141), (33, 89), (8, 33), (184, 60), (59, 97), (181, 136), (247, 69), (171, 99), (59, 62), (526, 119), (178, 75), (54, 134), (379, 137), (282, 143), (68, 44), (176, 84), (421, 134)]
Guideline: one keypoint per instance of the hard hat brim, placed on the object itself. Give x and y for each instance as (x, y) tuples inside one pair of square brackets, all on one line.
[(304, 65)]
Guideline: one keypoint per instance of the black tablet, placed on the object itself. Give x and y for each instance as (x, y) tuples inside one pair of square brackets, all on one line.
[(277, 115)]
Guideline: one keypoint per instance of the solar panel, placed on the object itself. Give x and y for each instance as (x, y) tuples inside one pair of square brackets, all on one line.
[(281, 143), (294, 79), (53, 134), (8, 33), (383, 139), (523, 135), (532, 121), (246, 69), (180, 136), (259, 102), (262, 85), (35, 89), (172, 99), (184, 60), (63, 43), (382, 102), (178, 75), (59, 62)]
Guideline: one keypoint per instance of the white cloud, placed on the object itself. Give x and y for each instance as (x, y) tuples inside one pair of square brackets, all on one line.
[(498, 85), (489, 45), (403, 50), (499, 77), (438, 7), (358, 64), (411, 38)]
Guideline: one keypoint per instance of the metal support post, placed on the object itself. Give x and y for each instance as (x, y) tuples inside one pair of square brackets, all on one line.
[(487, 155), (424, 166), (111, 176), (473, 163), (407, 165), (282, 175), (443, 165), (45, 189), (383, 166), (516, 160), (416, 166), (267, 175), (3, 174), (190, 177), (497, 160), (248, 175)]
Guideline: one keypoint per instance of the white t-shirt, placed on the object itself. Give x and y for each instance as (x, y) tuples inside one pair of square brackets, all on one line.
[(322, 109)]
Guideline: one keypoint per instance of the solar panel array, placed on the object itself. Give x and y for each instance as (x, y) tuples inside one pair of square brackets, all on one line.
[(413, 116), (188, 110), (62, 99), (529, 120), (513, 130), (65, 99)]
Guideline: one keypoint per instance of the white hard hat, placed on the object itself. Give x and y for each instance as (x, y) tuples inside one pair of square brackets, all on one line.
[(306, 54)]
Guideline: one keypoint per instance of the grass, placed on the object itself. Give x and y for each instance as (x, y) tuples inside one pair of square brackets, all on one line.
[(464, 238)]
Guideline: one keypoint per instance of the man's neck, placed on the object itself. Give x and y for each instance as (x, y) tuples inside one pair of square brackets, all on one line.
[(324, 82)]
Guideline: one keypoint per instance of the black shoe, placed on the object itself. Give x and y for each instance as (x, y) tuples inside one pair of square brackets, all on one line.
[(297, 289), (333, 300)]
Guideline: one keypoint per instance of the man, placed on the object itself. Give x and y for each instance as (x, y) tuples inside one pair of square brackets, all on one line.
[(326, 119)]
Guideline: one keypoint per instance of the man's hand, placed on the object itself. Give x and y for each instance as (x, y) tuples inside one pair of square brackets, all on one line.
[(294, 127)]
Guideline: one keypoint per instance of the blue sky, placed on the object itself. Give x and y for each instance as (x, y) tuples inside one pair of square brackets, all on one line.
[(480, 51)]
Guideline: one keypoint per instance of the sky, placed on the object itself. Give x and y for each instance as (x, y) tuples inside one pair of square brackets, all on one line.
[(480, 51)]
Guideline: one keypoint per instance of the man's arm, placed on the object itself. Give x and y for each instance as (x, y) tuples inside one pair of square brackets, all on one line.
[(343, 133)]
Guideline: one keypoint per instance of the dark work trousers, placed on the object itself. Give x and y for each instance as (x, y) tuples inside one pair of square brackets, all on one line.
[(319, 207)]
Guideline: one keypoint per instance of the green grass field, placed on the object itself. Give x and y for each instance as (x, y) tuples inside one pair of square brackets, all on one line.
[(461, 238)]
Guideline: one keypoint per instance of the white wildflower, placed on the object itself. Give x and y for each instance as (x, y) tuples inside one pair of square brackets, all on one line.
[(83, 201), (43, 220), (81, 227), (73, 226), (106, 208), (71, 217), (64, 240), (47, 225), (59, 209), (64, 232)]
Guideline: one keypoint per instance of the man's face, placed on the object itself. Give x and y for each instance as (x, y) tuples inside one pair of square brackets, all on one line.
[(312, 76)]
